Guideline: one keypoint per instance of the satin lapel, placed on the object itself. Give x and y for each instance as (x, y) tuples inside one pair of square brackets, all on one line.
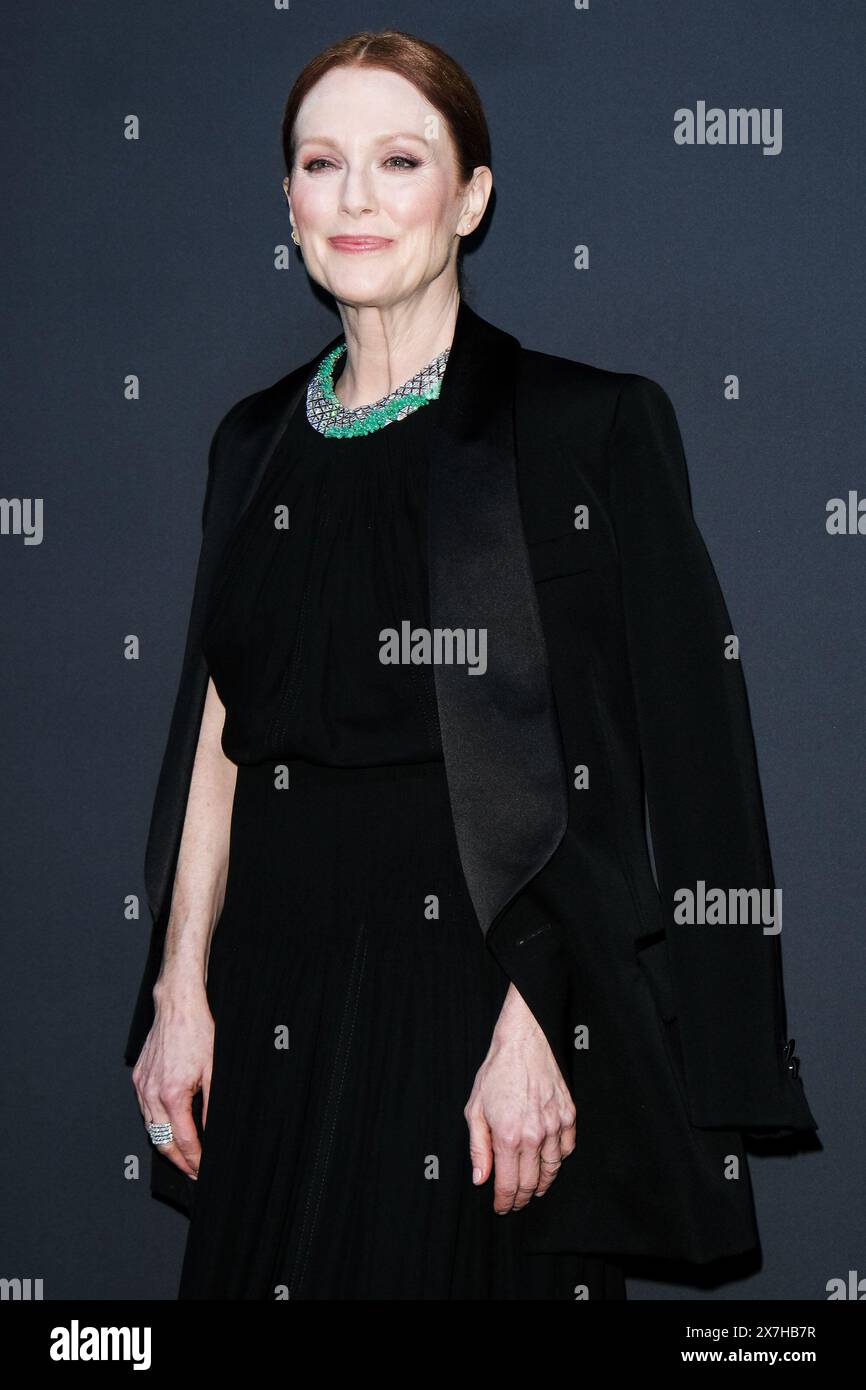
[(501, 742)]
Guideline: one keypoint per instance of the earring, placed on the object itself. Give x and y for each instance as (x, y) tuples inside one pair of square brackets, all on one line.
[(295, 237)]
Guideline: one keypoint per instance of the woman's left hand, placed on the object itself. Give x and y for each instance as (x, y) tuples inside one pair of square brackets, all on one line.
[(520, 1111)]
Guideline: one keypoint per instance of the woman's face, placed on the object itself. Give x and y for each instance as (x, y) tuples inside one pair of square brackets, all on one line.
[(374, 160)]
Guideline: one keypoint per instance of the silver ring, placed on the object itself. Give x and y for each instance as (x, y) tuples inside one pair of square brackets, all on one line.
[(160, 1134)]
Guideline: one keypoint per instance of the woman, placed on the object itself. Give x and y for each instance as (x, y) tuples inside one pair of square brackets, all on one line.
[(451, 610)]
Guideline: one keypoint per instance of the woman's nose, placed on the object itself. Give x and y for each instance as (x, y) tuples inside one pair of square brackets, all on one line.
[(357, 193)]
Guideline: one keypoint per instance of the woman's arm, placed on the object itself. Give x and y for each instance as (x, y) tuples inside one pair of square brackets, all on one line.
[(176, 1059), (202, 864)]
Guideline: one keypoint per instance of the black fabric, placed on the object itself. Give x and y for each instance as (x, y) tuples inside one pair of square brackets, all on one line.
[(688, 1033), (337, 1165), (332, 551)]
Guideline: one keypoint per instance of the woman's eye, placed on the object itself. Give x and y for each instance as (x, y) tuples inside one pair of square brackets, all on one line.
[(406, 162)]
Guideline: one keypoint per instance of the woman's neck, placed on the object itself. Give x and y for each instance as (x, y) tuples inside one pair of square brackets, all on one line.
[(385, 347)]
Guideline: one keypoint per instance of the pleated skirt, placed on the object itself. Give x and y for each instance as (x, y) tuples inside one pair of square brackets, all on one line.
[(354, 1000)]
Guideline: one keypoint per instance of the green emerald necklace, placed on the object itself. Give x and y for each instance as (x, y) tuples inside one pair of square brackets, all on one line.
[(326, 413)]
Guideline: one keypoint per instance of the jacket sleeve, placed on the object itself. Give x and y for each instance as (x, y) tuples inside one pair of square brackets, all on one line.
[(701, 781)]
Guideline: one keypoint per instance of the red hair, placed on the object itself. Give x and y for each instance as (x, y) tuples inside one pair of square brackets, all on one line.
[(430, 69)]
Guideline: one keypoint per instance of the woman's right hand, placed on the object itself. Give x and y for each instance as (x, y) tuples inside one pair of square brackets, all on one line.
[(175, 1063)]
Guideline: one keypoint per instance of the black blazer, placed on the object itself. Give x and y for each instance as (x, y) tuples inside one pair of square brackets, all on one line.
[(560, 520)]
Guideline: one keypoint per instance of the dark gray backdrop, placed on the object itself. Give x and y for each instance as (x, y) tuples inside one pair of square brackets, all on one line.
[(156, 257)]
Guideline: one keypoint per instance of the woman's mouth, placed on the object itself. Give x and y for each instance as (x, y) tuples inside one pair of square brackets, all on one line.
[(354, 244)]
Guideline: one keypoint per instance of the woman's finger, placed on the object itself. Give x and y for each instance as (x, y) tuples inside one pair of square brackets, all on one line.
[(506, 1176), (550, 1161), (480, 1147), (568, 1138), (529, 1157), (181, 1151), (185, 1133)]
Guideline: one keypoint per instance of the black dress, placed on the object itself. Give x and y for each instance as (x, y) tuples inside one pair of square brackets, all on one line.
[(353, 994)]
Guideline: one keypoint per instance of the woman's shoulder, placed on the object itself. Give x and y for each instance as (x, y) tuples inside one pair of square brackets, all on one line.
[(262, 407), (245, 428), (573, 384), (564, 402)]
